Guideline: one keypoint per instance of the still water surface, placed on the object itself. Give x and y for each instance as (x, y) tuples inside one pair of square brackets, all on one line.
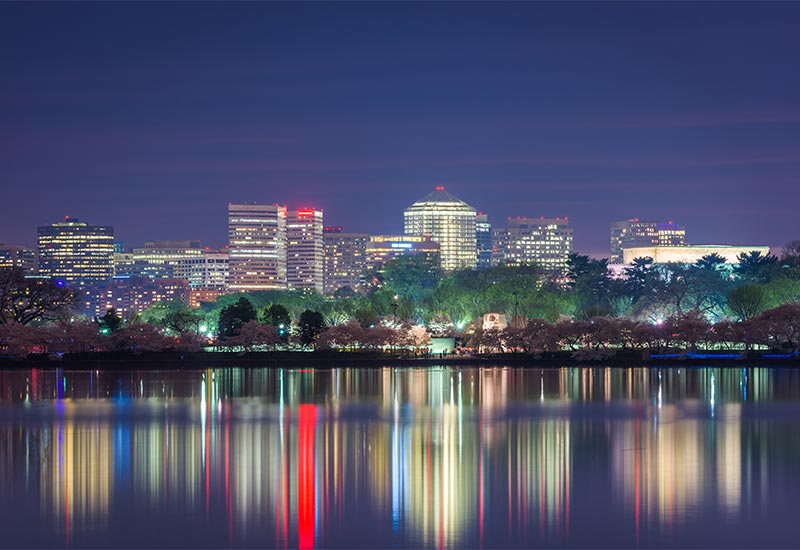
[(429, 457)]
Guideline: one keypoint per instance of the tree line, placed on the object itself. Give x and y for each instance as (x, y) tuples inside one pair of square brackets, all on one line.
[(709, 297)]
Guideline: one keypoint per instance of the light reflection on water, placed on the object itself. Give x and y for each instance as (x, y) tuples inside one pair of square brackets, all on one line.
[(433, 457)]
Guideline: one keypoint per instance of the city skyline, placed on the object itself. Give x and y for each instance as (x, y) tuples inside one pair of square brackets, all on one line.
[(494, 224), (667, 111)]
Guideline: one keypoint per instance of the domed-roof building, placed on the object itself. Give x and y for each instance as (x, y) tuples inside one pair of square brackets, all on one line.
[(450, 222)]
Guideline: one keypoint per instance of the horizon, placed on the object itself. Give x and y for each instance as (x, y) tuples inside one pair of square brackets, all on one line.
[(775, 250)]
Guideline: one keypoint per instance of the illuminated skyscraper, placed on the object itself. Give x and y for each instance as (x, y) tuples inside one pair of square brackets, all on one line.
[(75, 251), (638, 233), (257, 246), (345, 259), (535, 241), (450, 222), (305, 251), (483, 240)]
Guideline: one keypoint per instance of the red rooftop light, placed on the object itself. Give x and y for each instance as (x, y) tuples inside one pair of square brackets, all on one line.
[(440, 187), (305, 213)]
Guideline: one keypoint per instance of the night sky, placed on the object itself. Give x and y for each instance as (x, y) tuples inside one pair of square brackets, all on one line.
[(152, 117)]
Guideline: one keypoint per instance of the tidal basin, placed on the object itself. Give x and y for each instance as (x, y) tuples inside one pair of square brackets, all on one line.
[(400, 457)]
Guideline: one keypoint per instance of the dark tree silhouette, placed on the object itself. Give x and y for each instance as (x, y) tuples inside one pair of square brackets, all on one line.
[(232, 317), (311, 324), (755, 267), (277, 316), (26, 300), (747, 301), (110, 322)]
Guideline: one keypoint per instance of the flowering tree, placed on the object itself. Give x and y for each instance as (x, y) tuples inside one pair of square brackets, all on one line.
[(75, 337), (777, 328), (141, 337), (190, 341), (688, 330), (253, 334), (18, 340), (346, 336), (415, 337)]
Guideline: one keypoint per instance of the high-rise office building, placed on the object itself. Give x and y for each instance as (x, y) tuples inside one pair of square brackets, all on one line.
[(637, 233), (75, 251), (345, 259), (18, 256), (483, 240), (257, 247), (450, 222), (305, 250), (535, 241)]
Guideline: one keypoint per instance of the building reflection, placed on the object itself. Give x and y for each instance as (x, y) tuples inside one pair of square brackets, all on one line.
[(440, 457)]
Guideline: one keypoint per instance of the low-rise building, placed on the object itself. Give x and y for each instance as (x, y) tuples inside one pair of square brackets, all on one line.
[(689, 254), (636, 233), (200, 296), (210, 270), (131, 295), (382, 248), (18, 256)]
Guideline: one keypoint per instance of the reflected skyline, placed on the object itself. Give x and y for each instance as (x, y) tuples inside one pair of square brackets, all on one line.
[(438, 457)]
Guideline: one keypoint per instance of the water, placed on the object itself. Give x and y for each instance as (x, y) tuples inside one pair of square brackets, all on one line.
[(429, 457)]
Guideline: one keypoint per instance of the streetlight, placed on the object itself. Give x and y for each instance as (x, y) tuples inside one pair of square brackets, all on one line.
[(394, 309)]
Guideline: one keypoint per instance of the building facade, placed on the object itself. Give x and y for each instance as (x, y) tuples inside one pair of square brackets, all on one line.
[(637, 233), (345, 259), (450, 222), (382, 248), (305, 250), (76, 252), (671, 234), (210, 271), (18, 256), (689, 254), (546, 242), (256, 247), (130, 295), (483, 241), (200, 296), (167, 252)]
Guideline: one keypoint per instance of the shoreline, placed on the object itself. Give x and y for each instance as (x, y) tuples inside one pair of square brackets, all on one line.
[(294, 359)]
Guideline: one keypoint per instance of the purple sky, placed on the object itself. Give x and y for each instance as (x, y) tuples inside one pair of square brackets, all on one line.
[(152, 117)]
